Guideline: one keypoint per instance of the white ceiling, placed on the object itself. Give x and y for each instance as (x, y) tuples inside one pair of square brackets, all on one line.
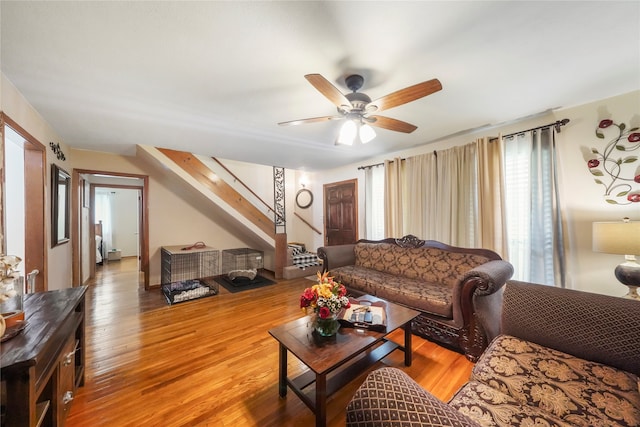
[(215, 78)]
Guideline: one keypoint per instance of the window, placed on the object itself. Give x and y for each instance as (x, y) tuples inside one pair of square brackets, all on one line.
[(533, 225)]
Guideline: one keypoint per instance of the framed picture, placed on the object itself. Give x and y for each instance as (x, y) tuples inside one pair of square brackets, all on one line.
[(60, 187)]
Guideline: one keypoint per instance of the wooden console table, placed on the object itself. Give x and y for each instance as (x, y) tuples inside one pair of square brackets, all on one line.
[(43, 365)]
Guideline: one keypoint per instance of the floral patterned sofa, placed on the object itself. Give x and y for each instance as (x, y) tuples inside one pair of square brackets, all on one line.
[(443, 282), (563, 358)]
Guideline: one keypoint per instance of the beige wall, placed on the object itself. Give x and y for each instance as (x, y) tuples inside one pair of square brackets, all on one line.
[(178, 215), (582, 201), (20, 111)]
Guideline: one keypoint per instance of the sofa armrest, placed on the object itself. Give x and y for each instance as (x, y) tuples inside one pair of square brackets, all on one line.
[(475, 286), (483, 280), (493, 274), (389, 396), (337, 256)]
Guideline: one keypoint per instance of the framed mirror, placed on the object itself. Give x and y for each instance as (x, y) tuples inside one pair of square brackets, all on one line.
[(304, 198), (60, 206)]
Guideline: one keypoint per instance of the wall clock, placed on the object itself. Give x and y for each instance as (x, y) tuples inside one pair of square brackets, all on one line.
[(304, 198)]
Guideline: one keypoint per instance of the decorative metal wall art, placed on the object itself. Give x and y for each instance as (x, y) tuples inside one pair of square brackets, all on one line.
[(620, 176), (57, 151), (279, 201)]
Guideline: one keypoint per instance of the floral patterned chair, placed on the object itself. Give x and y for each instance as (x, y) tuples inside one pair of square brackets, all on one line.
[(563, 358)]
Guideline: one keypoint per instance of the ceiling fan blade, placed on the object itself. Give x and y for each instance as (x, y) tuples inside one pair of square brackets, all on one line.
[(405, 95), (391, 124), (310, 120), (329, 91)]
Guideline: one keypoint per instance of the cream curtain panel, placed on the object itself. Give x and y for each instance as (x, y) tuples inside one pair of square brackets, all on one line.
[(393, 198), (491, 230), (422, 188), (432, 196), (456, 196)]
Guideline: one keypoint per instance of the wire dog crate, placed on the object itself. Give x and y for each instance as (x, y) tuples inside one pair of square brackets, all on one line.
[(241, 259), (179, 264)]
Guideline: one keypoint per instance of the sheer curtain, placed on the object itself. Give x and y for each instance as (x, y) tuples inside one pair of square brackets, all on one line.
[(490, 226), (103, 213), (374, 203), (534, 224)]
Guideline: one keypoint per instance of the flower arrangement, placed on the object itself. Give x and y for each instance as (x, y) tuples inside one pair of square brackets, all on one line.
[(326, 298), (620, 174)]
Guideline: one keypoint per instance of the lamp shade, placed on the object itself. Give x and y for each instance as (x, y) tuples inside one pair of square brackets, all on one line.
[(366, 133), (347, 132), (617, 237)]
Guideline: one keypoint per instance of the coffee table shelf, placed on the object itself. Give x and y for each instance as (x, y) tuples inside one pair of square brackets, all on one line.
[(341, 376)]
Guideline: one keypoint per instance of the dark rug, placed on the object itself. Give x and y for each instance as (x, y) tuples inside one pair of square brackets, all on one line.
[(240, 284)]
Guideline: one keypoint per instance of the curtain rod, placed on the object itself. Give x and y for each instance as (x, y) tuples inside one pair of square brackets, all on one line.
[(557, 125)]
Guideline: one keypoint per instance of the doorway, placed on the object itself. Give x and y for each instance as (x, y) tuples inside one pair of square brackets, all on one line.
[(341, 212), (127, 195), (23, 218)]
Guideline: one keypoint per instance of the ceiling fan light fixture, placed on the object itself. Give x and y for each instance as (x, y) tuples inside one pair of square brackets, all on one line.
[(366, 133), (347, 132)]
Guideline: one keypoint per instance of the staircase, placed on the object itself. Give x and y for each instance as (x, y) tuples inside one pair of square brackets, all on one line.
[(195, 172)]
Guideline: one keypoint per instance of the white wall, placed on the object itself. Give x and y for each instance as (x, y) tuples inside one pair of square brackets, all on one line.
[(124, 219)]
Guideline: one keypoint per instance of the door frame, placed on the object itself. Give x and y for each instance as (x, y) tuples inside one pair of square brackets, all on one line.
[(75, 219), (35, 157)]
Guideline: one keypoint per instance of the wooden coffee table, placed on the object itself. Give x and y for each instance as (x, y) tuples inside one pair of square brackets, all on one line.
[(333, 362)]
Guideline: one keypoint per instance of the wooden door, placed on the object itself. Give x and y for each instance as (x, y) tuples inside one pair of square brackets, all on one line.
[(341, 212)]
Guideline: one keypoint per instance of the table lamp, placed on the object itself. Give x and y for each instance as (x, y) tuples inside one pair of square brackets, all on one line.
[(622, 237)]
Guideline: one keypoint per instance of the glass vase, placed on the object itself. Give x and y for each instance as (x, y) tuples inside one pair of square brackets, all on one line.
[(326, 327)]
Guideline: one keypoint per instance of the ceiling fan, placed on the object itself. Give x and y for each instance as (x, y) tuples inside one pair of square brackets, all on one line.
[(357, 108)]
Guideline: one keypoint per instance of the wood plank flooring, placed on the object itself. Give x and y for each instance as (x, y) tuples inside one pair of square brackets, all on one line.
[(210, 362)]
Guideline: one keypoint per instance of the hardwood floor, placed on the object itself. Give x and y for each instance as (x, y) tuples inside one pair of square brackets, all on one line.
[(209, 362)]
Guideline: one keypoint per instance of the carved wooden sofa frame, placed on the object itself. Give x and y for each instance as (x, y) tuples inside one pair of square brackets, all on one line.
[(463, 332)]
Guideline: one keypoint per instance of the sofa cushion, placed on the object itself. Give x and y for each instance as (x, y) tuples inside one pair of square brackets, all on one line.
[(389, 397), (577, 391), (430, 265), (490, 407), (428, 297)]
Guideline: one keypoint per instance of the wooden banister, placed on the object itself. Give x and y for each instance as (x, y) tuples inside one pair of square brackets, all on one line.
[(306, 222), (205, 176), (244, 185)]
